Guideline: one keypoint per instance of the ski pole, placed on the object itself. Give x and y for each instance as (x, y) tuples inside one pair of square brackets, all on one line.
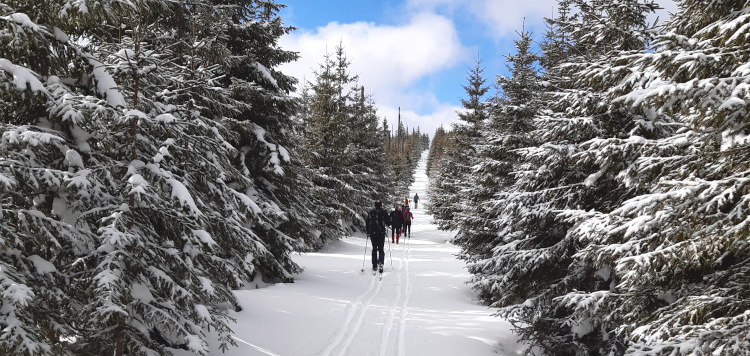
[(389, 251), (364, 255)]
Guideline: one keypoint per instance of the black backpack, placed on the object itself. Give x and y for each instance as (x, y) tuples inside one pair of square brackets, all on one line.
[(374, 225)]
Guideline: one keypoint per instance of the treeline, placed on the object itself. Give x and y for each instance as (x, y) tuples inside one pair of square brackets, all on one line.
[(152, 160), (601, 197)]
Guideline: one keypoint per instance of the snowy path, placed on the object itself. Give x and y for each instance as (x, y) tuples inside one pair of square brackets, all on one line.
[(421, 307)]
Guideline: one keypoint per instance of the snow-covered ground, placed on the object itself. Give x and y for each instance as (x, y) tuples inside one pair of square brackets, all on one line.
[(420, 307)]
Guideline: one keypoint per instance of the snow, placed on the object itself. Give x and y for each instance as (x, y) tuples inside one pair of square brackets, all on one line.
[(138, 184), (22, 77), (202, 311), (73, 158), (591, 180), (60, 35), (266, 74), (733, 139), (422, 306), (165, 118), (24, 20), (182, 194), (205, 237), (141, 292), (260, 133), (41, 265), (105, 84), (18, 293), (582, 328)]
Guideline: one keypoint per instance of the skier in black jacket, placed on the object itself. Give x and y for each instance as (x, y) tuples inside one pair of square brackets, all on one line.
[(375, 224), (397, 222)]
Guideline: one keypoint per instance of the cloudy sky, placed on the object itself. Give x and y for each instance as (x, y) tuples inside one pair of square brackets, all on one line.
[(414, 54)]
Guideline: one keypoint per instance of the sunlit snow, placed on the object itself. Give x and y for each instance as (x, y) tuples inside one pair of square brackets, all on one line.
[(422, 306)]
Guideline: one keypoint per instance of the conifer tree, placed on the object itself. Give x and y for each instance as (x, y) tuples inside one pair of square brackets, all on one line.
[(676, 253), (437, 149), (455, 166), (266, 129), (45, 124), (120, 178), (348, 166), (493, 176), (565, 172)]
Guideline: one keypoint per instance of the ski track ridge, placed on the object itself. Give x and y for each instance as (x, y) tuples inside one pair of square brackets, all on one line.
[(404, 312), (359, 307), (388, 325), (356, 308)]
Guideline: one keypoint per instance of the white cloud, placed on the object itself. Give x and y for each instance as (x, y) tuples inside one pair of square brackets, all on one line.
[(500, 17), (504, 17), (395, 61), (389, 59)]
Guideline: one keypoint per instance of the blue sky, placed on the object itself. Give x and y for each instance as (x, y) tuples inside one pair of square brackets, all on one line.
[(414, 54)]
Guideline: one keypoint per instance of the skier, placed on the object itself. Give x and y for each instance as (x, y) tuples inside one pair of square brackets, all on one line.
[(416, 200), (406, 201), (397, 221), (407, 222), (375, 227)]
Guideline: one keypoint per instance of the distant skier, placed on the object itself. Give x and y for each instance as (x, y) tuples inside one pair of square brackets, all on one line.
[(375, 224), (406, 201), (397, 222), (416, 200), (407, 222)]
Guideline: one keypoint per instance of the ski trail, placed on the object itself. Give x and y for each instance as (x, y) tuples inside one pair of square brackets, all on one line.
[(418, 185), (354, 308), (388, 325), (358, 323), (404, 312)]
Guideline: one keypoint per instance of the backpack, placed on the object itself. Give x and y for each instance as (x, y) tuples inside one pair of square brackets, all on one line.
[(407, 216), (374, 226)]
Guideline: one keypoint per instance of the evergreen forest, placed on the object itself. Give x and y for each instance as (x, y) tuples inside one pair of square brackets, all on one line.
[(153, 159), (600, 195)]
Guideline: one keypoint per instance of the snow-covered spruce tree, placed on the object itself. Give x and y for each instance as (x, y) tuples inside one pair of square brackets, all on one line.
[(678, 253), (437, 149), (474, 233), (447, 184), (557, 44), (178, 236), (266, 137), (332, 152), (47, 191), (369, 169), (122, 185), (537, 264), (483, 221)]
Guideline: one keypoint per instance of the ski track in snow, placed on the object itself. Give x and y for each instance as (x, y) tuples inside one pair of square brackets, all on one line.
[(357, 308), (352, 323), (404, 311), (397, 312), (421, 306)]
